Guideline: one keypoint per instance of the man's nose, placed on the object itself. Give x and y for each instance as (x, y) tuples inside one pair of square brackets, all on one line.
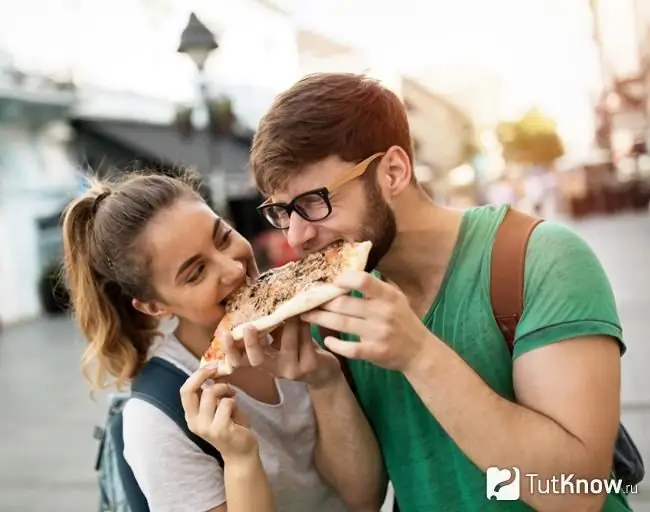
[(300, 231)]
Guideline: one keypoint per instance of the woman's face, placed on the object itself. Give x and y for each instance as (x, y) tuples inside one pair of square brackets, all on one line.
[(196, 262)]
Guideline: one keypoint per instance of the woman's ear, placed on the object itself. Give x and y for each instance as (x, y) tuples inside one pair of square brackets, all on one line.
[(151, 308)]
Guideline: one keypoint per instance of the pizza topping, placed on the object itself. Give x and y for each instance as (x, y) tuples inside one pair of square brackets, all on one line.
[(277, 285), (296, 285)]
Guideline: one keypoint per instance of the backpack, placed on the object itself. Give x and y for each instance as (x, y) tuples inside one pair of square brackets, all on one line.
[(158, 383), (507, 296)]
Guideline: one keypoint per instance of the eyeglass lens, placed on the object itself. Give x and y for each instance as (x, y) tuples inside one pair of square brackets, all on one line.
[(311, 207)]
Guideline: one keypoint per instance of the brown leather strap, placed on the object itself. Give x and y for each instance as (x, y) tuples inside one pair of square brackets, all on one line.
[(507, 271)]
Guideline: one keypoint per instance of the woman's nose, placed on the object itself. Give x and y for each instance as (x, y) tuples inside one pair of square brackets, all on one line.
[(232, 271)]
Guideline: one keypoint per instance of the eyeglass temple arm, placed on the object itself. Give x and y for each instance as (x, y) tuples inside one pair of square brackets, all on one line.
[(355, 172)]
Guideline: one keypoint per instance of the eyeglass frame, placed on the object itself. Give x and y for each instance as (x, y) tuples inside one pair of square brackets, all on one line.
[(323, 192)]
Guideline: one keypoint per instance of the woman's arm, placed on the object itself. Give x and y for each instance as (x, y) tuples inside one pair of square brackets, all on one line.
[(247, 486), (212, 414)]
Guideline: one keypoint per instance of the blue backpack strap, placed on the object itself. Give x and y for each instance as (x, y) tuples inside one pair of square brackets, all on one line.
[(135, 498), (159, 383)]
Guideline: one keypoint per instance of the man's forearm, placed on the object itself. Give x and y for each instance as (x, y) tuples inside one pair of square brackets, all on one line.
[(347, 453), (493, 431), (247, 486)]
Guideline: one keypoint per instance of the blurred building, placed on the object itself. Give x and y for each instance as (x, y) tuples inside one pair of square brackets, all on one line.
[(37, 174), (442, 133), (51, 134)]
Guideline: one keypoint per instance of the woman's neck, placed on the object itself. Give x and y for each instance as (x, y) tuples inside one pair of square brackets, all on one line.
[(194, 337)]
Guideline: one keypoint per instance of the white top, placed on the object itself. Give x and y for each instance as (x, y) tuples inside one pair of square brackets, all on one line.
[(175, 475)]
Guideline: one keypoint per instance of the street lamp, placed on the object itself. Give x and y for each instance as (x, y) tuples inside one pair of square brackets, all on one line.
[(198, 42)]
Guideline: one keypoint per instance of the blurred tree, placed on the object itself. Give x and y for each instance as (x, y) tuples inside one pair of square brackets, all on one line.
[(533, 139), (183, 121), (222, 117)]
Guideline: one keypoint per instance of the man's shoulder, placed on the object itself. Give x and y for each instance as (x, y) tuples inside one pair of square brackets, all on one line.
[(556, 249)]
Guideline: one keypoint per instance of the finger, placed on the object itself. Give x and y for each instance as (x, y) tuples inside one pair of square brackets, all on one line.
[(239, 417), (210, 399), (233, 352), (223, 416), (191, 390), (339, 322), (357, 307), (352, 349), (307, 349), (254, 350), (368, 284), (276, 337), (290, 340)]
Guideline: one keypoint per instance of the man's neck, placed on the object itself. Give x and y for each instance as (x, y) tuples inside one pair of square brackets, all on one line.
[(420, 254)]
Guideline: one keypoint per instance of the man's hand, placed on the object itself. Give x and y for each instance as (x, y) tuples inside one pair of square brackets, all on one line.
[(391, 333), (293, 355)]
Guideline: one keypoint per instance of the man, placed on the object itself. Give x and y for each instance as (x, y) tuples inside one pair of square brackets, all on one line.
[(430, 369)]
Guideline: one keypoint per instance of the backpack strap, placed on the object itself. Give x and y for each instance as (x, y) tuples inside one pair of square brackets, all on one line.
[(159, 383), (507, 270)]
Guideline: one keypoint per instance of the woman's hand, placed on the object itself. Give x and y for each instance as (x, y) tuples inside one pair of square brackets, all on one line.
[(212, 413)]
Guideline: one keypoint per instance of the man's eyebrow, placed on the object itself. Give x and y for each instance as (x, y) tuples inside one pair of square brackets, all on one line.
[(190, 261)]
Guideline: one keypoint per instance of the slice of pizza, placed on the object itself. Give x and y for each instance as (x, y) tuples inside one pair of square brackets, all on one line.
[(284, 292)]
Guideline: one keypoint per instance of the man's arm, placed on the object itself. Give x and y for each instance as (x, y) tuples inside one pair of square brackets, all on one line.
[(565, 420), (566, 377), (347, 453)]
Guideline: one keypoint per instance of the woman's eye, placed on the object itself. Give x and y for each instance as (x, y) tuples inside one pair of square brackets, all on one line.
[(196, 273), (225, 237)]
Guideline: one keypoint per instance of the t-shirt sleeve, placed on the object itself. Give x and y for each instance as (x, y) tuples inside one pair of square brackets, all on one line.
[(171, 470), (566, 293)]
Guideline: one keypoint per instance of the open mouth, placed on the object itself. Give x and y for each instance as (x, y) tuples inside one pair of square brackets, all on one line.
[(234, 290)]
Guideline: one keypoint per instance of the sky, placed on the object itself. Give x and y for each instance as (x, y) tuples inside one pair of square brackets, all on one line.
[(496, 57)]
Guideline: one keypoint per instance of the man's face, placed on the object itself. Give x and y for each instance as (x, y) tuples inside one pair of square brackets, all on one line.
[(359, 210)]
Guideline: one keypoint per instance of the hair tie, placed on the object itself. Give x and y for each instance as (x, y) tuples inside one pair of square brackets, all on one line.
[(99, 199)]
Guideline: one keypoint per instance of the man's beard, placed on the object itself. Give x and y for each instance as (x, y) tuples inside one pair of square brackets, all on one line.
[(378, 224)]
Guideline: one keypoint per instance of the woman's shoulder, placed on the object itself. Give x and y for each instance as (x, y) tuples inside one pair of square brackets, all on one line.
[(172, 471), (145, 424)]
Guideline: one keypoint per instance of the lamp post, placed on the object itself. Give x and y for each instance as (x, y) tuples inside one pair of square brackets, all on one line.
[(198, 43)]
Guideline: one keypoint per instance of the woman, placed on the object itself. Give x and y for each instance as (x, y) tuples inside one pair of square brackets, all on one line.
[(148, 249)]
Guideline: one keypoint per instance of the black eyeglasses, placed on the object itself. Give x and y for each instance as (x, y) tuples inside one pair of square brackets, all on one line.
[(313, 205)]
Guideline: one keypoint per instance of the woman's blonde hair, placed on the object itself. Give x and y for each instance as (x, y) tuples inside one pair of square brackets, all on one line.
[(105, 268)]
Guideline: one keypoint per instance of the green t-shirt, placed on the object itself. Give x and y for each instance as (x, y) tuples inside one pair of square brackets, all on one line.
[(567, 294)]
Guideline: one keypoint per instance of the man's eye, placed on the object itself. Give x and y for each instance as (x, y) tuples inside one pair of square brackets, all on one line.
[(196, 273)]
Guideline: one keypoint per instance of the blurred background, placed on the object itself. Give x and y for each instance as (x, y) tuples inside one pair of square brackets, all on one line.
[(540, 103)]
